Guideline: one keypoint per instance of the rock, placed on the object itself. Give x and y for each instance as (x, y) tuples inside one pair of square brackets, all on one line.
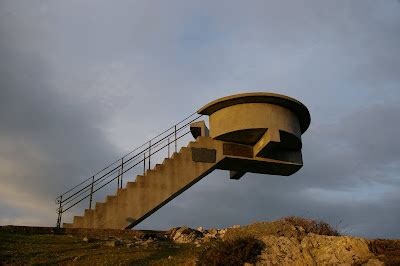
[(87, 240), (316, 249), (208, 238), (212, 232), (222, 232), (184, 235), (336, 250), (149, 241), (200, 229), (300, 229), (114, 243), (374, 262)]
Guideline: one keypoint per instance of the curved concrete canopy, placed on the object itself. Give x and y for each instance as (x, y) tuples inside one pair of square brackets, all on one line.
[(295, 106)]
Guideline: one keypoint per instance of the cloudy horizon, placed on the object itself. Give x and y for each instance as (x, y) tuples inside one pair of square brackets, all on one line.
[(84, 82)]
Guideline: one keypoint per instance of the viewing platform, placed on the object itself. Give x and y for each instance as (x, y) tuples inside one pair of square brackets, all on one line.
[(249, 132)]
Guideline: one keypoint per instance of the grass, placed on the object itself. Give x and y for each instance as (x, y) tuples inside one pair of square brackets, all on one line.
[(239, 245), (312, 226), (388, 250), (232, 252), (64, 249)]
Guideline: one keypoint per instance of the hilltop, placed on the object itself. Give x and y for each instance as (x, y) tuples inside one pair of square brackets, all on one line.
[(289, 241)]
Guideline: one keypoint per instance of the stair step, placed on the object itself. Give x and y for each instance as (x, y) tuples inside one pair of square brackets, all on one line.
[(120, 191), (153, 178), (191, 144), (184, 150), (88, 218), (140, 178), (130, 185), (110, 198), (167, 161), (78, 221), (100, 205), (175, 155), (149, 172), (68, 225), (159, 167), (201, 142), (88, 212)]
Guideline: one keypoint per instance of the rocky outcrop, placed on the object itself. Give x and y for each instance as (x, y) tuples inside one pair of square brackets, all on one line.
[(316, 250), (184, 235), (188, 235), (286, 244)]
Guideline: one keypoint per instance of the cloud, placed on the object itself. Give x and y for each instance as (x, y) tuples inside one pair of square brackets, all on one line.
[(82, 83), (48, 141)]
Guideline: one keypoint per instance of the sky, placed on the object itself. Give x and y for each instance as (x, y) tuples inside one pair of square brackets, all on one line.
[(84, 82)]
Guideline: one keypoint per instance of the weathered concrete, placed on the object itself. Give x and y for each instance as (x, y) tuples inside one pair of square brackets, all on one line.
[(271, 124), (199, 129), (252, 132), (289, 103)]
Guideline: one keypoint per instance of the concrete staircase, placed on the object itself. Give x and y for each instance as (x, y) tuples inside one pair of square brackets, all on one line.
[(249, 133), (149, 192)]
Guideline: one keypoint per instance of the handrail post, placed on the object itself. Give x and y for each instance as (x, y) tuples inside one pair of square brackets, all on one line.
[(91, 194), (59, 213), (144, 162), (168, 147), (122, 169), (149, 152), (176, 145), (118, 178)]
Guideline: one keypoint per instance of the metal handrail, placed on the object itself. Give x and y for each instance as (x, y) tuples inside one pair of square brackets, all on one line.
[(109, 165), (118, 168)]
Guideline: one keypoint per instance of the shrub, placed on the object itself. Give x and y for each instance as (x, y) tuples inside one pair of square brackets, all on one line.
[(232, 252), (312, 226)]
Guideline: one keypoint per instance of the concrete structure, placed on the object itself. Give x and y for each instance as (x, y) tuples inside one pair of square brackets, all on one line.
[(251, 132)]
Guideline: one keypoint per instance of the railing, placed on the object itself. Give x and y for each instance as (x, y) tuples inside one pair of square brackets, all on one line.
[(116, 170)]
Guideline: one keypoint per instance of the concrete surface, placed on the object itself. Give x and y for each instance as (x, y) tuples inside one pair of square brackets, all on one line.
[(252, 132)]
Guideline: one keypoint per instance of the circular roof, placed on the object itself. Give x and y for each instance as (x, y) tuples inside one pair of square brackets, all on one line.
[(261, 97)]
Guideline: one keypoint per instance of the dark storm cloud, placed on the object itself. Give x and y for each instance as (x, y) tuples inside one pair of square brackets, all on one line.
[(48, 141)]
